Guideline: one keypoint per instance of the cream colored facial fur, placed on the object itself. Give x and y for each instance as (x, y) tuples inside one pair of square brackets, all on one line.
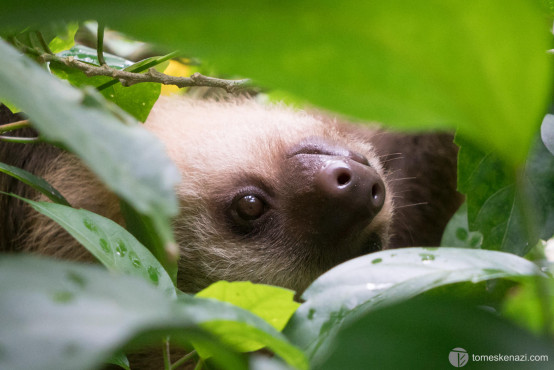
[(215, 145)]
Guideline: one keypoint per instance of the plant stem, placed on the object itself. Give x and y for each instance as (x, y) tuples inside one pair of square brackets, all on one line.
[(43, 43), (19, 140), (199, 365), (166, 354), (14, 126), (100, 44), (183, 359)]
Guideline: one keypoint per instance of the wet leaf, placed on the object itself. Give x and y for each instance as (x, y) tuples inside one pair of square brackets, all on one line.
[(110, 243), (383, 278)]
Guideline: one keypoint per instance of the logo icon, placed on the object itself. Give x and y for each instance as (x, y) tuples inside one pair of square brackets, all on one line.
[(458, 357)]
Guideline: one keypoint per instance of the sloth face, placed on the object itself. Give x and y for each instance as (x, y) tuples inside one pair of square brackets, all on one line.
[(269, 194)]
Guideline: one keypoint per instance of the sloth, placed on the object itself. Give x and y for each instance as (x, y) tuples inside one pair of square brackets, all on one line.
[(268, 193)]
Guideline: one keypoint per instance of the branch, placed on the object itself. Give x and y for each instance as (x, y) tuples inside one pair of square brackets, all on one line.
[(14, 126), (131, 78), (16, 139)]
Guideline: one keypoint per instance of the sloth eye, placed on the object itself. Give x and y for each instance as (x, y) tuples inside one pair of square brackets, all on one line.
[(249, 207)]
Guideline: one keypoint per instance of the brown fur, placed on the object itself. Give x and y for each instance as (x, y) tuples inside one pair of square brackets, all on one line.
[(219, 147)]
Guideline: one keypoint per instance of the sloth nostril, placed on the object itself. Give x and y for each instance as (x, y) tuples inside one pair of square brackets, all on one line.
[(343, 178), (378, 194), (376, 191)]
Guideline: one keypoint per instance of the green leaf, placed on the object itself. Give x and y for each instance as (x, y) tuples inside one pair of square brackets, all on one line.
[(120, 360), (232, 325), (273, 304), (131, 161), (136, 100), (150, 232), (61, 315), (110, 243), (511, 213), (457, 234), (90, 55), (65, 40), (37, 183), (480, 66), (385, 277), (422, 333), (531, 305)]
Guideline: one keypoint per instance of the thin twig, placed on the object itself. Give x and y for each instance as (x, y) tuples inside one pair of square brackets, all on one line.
[(19, 140), (166, 354), (183, 359), (131, 78), (143, 67), (14, 126), (100, 44)]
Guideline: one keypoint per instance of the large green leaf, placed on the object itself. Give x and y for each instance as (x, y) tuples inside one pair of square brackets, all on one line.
[(233, 325), (129, 159), (512, 210), (422, 334), (110, 243), (382, 278), (122, 153), (59, 315), (480, 65), (273, 304)]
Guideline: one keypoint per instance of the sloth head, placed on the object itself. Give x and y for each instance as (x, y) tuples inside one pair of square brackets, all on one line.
[(269, 194)]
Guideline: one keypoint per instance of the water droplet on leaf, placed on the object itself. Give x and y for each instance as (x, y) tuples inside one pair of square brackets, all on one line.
[(461, 233), (63, 296), (120, 248), (105, 246), (76, 279), (426, 257), (153, 273), (475, 241), (90, 225), (135, 260)]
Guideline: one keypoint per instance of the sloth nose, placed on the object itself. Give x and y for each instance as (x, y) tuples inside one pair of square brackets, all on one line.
[(356, 186)]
